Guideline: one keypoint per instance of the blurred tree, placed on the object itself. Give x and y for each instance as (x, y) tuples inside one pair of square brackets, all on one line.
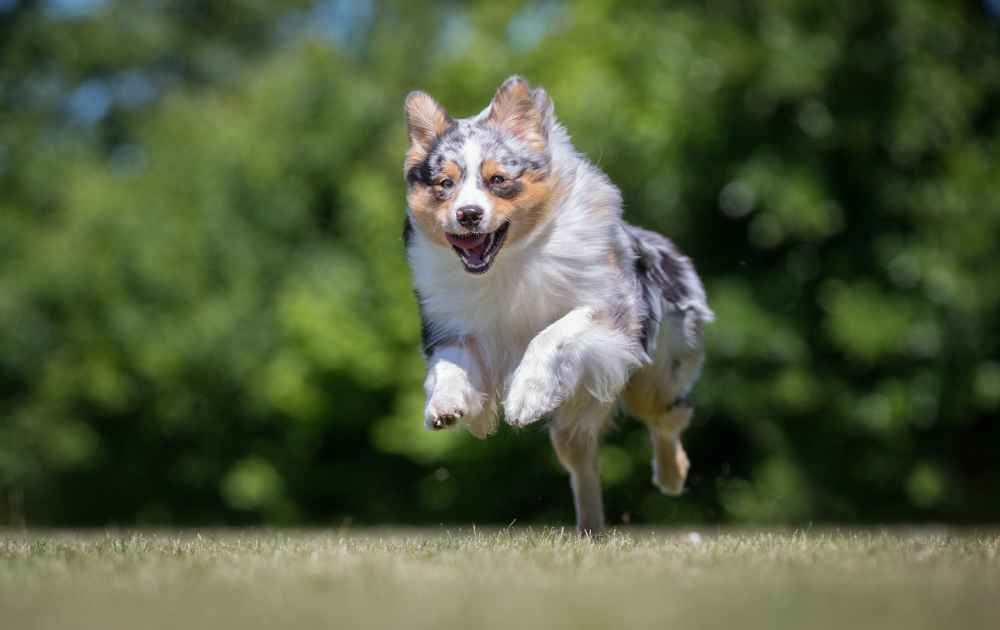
[(205, 315)]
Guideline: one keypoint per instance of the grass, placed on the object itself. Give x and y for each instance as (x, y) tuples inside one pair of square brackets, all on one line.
[(508, 579)]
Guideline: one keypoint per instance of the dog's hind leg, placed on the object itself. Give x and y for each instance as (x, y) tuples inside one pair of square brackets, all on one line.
[(575, 434), (657, 395), (670, 461)]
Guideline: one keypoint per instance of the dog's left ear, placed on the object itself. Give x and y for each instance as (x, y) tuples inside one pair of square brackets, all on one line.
[(525, 111)]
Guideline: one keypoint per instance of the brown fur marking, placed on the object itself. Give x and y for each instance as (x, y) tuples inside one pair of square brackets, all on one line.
[(430, 204), (532, 206)]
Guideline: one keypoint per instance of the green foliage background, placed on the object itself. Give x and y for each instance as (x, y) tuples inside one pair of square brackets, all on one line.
[(206, 317)]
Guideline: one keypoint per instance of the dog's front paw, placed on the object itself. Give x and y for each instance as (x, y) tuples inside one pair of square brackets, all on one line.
[(436, 421), (533, 394), (445, 409)]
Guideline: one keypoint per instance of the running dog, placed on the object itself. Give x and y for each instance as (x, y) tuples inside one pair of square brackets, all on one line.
[(537, 300)]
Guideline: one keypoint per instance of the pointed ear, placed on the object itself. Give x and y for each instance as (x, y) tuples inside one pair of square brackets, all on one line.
[(426, 121), (524, 111)]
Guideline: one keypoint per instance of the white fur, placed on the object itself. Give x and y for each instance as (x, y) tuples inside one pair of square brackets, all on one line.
[(470, 194)]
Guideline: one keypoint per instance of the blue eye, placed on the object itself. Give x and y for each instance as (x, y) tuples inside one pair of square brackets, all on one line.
[(446, 183)]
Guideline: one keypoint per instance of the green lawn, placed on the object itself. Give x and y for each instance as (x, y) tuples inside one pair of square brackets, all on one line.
[(741, 579)]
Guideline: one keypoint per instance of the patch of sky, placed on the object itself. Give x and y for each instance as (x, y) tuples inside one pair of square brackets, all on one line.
[(345, 22), (90, 101), (456, 33), (72, 8), (132, 89), (531, 24)]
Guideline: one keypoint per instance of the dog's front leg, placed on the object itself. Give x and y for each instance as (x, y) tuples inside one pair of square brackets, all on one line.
[(454, 391), (581, 348)]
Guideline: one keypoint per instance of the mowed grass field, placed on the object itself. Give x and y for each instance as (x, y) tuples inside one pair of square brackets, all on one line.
[(445, 579)]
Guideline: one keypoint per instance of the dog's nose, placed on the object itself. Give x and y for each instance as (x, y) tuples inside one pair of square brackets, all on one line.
[(469, 216)]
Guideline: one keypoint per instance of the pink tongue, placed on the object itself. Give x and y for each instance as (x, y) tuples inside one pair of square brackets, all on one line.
[(476, 253), (468, 243)]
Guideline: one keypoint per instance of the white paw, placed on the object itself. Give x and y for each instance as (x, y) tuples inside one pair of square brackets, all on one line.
[(533, 394), (446, 407)]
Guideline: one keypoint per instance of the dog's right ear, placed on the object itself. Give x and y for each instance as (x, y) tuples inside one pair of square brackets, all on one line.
[(426, 121)]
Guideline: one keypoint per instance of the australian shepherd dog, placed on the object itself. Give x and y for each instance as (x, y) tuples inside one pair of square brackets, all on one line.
[(537, 300)]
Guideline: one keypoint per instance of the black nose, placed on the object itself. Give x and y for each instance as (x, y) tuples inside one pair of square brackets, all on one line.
[(469, 216)]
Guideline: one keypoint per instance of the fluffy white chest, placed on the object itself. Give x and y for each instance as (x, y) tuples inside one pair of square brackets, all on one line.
[(512, 304)]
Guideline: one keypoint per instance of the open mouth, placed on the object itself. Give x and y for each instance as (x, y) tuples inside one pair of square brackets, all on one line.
[(478, 249)]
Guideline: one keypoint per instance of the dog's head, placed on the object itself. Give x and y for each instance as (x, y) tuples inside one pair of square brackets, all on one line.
[(478, 183)]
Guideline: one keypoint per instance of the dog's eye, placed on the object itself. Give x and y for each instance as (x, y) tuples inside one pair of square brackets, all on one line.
[(446, 183), (496, 180)]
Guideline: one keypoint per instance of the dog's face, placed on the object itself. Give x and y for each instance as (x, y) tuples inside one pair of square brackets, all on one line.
[(476, 184)]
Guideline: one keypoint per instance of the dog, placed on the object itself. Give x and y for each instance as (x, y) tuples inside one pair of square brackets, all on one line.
[(537, 300)]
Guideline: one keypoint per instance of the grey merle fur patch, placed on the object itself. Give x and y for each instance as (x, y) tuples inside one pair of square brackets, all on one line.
[(667, 278), (495, 144)]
